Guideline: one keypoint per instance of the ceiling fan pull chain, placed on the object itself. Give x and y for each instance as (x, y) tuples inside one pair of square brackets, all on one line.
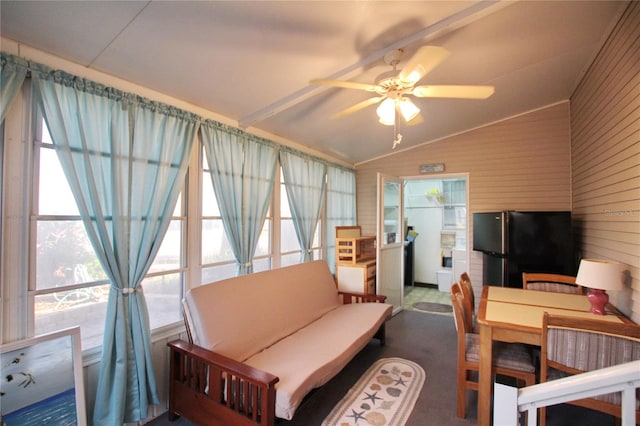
[(397, 136)]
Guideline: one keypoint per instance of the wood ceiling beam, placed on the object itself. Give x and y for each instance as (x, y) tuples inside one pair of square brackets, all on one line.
[(448, 24)]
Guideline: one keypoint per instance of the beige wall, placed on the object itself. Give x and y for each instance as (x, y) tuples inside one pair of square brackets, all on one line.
[(584, 158), (522, 163), (605, 146)]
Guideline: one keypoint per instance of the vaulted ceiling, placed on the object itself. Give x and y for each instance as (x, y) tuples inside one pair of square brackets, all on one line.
[(251, 61)]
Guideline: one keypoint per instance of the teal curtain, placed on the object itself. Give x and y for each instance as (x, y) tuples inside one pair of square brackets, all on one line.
[(304, 180), (243, 171), (125, 158), (13, 70), (341, 206)]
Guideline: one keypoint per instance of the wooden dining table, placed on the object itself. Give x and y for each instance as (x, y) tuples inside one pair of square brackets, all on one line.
[(515, 315)]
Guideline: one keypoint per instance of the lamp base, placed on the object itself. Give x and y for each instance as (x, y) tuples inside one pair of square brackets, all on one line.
[(598, 299)]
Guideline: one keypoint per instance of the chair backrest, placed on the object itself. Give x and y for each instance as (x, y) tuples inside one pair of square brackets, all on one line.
[(575, 345), (460, 315), (467, 290), (557, 283)]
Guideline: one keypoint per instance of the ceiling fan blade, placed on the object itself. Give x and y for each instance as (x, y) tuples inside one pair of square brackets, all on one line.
[(359, 106), (346, 84), (423, 61), (453, 91)]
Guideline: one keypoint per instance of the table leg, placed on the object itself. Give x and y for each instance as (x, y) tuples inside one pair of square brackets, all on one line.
[(484, 375)]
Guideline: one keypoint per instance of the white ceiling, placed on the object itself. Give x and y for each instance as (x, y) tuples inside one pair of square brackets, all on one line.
[(251, 61)]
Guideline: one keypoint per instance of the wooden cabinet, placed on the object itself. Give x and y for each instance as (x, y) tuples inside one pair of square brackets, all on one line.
[(355, 260)]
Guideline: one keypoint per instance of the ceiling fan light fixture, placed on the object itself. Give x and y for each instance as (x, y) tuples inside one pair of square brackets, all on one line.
[(387, 112), (391, 88), (408, 109)]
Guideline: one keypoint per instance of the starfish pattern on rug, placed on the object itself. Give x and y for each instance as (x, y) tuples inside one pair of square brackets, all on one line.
[(400, 381), (372, 396), (383, 396), (356, 416)]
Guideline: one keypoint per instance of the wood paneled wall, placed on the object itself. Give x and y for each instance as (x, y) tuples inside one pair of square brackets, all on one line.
[(522, 163), (605, 154)]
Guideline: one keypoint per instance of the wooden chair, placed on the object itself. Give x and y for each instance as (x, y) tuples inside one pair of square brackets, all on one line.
[(576, 345), (550, 282), (509, 359)]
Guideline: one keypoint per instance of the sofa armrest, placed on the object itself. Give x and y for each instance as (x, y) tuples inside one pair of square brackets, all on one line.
[(351, 297), (208, 388)]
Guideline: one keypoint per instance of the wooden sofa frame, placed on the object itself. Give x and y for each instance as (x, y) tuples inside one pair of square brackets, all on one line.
[(207, 388)]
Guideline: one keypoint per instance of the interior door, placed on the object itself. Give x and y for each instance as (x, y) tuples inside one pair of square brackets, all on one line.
[(390, 240)]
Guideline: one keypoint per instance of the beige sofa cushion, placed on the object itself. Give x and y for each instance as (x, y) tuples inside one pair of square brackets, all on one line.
[(313, 355), (241, 316)]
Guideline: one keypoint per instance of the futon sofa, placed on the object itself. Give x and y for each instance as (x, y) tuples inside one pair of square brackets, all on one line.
[(259, 343)]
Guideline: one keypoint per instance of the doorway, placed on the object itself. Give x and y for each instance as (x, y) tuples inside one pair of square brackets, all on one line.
[(435, 215)]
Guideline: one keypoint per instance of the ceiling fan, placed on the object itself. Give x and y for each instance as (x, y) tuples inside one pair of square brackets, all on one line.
[(393, 88)]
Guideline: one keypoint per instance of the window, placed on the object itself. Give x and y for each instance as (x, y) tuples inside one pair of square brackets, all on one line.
[(70, 287), (164, 284), (218, 261), (290, 252), (52, 278), (340, 207), (455, 203)]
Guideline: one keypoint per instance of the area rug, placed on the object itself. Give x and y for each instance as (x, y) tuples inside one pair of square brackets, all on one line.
[(432, 307), (384, 395)]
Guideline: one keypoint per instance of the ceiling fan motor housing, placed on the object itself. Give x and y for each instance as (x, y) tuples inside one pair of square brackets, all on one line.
[(393, 57), (389, 81)]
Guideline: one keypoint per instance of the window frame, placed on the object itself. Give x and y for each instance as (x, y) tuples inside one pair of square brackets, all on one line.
[(35, 125)]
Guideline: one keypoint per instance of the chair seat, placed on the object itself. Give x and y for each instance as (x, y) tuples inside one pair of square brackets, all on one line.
[(514, 356)]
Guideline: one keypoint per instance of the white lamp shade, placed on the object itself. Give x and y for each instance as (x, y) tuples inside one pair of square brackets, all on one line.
[(600, 274), (408, 109), (387, 112)]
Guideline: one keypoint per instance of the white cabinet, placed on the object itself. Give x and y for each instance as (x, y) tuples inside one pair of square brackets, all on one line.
[(359, 277)]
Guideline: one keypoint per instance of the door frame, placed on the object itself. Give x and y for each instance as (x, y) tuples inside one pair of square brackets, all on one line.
[(389, 254), (439, 176)]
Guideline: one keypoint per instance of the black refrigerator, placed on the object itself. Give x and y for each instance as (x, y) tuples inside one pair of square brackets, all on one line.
[(514, 242)]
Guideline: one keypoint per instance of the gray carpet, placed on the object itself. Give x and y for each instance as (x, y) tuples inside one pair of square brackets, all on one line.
[(429, 340)]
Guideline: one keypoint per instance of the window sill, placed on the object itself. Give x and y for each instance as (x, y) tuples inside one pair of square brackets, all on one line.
[(93, 355)]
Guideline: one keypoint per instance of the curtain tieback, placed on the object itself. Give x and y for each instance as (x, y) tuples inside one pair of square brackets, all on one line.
[(126, 290), (248, 264)]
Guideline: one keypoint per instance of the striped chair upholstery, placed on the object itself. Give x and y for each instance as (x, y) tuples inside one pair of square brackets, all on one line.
[(556, 283), (576, 345)]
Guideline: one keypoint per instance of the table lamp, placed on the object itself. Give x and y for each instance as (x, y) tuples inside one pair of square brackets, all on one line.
[(599, 276)]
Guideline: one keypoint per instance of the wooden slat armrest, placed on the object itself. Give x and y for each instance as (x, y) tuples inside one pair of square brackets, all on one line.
[(351, 297), (208, 388), (225, 363)]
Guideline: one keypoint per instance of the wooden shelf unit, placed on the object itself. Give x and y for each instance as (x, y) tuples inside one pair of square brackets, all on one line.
[(355, 249), (355, 260)]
